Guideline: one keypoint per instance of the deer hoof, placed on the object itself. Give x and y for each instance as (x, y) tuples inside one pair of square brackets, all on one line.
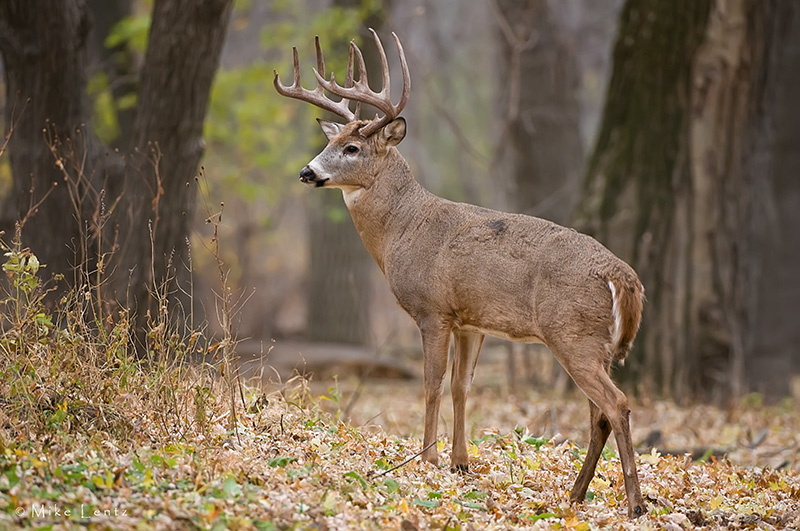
[(636, 511), (432, 458), (575, 497)]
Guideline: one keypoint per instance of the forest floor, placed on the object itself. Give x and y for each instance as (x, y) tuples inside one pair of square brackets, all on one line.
[(339, 455)]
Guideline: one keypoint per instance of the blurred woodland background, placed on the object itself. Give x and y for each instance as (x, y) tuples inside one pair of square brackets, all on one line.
[(665, 128)]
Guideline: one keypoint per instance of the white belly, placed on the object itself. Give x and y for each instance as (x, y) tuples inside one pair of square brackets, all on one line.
[(502, 335)]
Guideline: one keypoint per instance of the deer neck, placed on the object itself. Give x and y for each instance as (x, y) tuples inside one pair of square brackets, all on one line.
[(382, 211)]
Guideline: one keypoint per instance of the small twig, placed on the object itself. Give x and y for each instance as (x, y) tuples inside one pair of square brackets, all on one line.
[(34, 207), (365, 423), (406, 461), (12, 121)]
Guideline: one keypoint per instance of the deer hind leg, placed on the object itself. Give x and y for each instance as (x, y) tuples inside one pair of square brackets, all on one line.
[(467, 348), (435, 348), (600, 430), (584, 363)]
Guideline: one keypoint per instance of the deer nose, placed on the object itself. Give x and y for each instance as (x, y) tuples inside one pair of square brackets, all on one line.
[(307, 174)]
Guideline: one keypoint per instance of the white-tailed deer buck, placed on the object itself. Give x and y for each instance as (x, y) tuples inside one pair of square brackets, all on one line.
[(469, 271)]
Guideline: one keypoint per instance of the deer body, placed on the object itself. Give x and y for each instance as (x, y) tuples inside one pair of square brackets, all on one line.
[(512, 276), (508, 275), (463, 271)]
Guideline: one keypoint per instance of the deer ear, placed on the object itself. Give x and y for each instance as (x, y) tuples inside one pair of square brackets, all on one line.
[(331, 129), (393, 132)]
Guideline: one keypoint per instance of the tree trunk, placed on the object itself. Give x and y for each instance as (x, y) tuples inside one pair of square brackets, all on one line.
[(339, 283), (182, 57), (540, 146), (44, 53), (777, 334), (675, 187)]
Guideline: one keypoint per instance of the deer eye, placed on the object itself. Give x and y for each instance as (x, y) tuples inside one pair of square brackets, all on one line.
[(351, 149)]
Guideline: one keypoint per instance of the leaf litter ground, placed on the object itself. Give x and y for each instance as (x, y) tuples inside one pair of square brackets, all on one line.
[(294, 462)]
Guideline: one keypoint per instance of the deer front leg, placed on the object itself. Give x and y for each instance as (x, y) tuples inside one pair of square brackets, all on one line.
[(467, 349), (435, 347)]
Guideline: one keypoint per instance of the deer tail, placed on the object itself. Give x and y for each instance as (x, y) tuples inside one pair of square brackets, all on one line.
[(627, 301)]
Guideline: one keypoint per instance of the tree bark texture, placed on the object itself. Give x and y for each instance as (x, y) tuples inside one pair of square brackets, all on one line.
[(777, 332), (540, 150), (183, 51), (678, 181)]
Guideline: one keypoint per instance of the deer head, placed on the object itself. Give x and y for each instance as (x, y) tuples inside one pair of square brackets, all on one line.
[(354, 149), (351, 160)]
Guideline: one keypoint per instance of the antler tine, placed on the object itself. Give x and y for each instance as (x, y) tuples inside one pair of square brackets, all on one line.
[(393, 111), (386, 89), (320, 58), (406, 74), (357, 86), (295, 67), (317, 96), (348, 81)]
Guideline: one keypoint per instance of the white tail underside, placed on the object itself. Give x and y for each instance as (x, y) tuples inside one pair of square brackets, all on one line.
[(616, 326)]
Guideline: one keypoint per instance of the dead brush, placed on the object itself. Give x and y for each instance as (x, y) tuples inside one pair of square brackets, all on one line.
[(57, 373), (69, 364), (74, 367)]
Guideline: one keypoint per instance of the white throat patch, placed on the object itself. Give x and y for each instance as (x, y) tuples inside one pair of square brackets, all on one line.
[(351, 195)]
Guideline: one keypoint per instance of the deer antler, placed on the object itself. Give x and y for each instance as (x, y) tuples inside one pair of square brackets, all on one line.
[(357, 91), (317, 96)]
